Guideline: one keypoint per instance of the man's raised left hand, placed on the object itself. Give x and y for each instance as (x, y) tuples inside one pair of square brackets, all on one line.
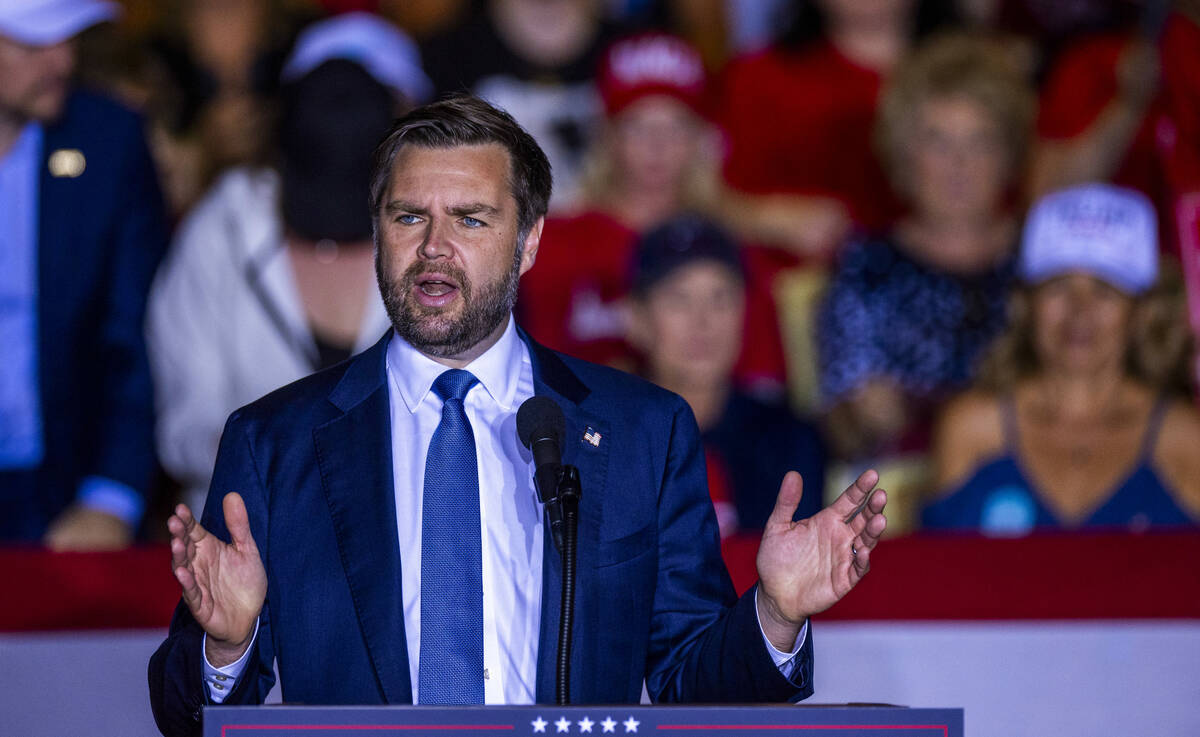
[(805, 567)]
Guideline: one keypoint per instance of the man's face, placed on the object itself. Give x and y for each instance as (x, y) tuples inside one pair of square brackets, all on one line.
[(449, 258), (690, 325), (34, 80)]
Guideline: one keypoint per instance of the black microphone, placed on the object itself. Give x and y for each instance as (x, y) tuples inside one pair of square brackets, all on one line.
[(540, 426)]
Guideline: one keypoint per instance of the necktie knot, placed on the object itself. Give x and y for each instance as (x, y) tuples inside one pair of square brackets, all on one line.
[(454, 384)]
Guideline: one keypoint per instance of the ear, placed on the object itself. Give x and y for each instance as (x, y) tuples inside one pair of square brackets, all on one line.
[(532, 240)]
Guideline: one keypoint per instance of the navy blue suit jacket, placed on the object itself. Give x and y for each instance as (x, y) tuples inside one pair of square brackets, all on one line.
[(101, 235), (314, 463)]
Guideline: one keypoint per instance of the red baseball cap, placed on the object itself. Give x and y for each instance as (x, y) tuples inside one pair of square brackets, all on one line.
[(651, 64)]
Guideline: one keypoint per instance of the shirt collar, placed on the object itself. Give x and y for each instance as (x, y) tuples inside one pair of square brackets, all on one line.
[(498, 369)]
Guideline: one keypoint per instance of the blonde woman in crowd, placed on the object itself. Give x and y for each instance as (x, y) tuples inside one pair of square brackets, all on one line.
[(909, 311), (656, 159)]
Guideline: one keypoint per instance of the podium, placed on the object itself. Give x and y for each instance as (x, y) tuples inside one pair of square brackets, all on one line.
[(617, 720)]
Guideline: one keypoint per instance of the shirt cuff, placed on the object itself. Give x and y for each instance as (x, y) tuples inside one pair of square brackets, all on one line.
[(105, 495), (220, 681), (785, 662)]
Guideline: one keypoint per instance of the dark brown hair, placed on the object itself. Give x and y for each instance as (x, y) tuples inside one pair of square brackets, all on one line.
[(469, 121), (1157, 352)]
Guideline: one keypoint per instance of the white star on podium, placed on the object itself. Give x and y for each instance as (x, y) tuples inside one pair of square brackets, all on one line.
[(539, 724), (631, 724), (585, 724), (563, 725), (609, 725)]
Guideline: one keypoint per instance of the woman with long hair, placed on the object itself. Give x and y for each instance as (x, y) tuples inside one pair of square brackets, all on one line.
[(1078, 419)]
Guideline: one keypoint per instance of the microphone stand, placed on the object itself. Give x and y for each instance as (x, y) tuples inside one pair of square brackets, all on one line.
[(567, 499)]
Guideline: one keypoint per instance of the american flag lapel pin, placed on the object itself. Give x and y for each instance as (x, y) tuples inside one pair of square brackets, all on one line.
[(592, 436)]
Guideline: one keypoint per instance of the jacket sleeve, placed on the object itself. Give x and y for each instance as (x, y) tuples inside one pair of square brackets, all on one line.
[(706, 645), (177, 690)]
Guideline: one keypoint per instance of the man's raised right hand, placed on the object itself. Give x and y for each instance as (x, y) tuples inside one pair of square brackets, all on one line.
[(224, 585)]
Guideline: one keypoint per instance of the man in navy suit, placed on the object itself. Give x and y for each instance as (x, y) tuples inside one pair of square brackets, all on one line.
[(81, 231), (372, 530)]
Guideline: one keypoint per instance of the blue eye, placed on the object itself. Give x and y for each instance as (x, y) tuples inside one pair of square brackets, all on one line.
[(471, 222), (408, 219)]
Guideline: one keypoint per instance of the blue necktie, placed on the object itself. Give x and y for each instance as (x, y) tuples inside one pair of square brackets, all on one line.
[(451, 666)]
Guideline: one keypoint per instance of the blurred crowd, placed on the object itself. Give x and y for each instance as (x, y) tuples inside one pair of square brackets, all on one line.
[(954, 240)]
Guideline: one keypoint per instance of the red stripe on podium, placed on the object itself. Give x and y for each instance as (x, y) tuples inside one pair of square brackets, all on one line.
[(939, 728), (367, 727)]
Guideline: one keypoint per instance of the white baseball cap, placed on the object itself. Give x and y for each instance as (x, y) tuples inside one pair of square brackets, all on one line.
[(47, 22), (1106, 231), (368, 40)]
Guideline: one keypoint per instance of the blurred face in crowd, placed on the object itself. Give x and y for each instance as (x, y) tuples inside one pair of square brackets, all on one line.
[(958, 165), (653, 141), (34, 80), (225, 35), (1081, 324), (865, 13), (689, 325), (449, 258)]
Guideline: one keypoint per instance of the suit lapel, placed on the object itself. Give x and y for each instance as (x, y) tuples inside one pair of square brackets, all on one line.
[(354, 453), (552, 378)]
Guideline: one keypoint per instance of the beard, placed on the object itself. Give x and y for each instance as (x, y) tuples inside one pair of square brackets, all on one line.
[(431, 330)]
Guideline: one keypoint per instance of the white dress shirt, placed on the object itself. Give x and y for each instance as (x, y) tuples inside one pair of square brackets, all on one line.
[(511, 517), (508, 508)]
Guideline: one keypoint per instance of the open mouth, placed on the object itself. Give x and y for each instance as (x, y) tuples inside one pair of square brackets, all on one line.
[(435, 290)]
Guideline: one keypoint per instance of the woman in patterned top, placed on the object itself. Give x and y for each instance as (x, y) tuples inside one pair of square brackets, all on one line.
[(907, 313)]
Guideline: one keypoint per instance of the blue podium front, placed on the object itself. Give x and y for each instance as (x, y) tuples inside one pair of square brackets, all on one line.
[(525, 721)]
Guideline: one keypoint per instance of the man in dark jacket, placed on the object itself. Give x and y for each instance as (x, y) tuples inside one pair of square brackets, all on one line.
[(81, 222)]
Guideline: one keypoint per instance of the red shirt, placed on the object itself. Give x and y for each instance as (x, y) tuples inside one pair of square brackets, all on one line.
[(719, 490), (1179, 136), (1082, 83), (572, 299), (1163, 160), (800, 122)]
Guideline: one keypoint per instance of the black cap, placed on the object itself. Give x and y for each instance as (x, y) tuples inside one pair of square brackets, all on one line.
[(333, 117), (678, 242)]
